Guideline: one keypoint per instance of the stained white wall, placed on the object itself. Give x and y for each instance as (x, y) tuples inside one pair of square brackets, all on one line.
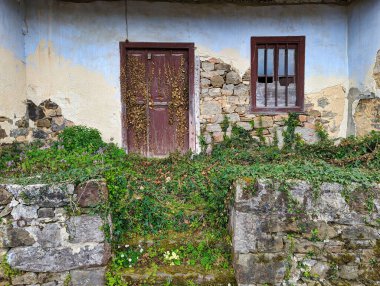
[(12, 61), (224, 30), (72, 54), (363, 43), (72, 51)]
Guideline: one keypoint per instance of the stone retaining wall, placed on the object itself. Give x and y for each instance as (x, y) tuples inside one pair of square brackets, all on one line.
[(49, 236), (288, 236)]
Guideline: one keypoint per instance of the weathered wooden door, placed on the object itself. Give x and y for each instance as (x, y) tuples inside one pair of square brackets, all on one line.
[(156, 101)]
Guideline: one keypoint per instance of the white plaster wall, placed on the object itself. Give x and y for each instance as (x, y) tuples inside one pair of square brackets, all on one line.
[(72, 51), (12, 61), (224, 30), (72, 54), (363, 43)]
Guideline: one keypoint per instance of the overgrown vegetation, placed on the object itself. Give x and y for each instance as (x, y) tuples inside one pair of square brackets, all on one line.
[(172, 213), (6, 271)]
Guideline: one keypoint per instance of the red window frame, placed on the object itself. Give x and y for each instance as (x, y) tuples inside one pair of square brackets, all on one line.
[(294, 41)]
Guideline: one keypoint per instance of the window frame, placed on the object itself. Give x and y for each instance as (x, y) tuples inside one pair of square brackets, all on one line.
[(300, 71)]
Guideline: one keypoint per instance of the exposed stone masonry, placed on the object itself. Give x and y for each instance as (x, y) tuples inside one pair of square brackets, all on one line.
[(225, 93), (367, 116), (376, 70), (43, 122), (306, 237), (48, 235)]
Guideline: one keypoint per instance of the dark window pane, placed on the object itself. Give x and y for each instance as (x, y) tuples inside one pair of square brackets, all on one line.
[(261, 62)]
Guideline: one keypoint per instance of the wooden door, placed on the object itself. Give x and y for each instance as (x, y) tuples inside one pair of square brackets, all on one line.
[(157, 101)]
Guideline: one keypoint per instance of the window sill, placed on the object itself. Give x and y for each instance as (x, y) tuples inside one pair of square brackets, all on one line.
[(275, 111)]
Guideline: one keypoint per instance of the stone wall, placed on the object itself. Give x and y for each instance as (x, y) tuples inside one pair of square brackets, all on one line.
[(42, 122), (225, 93), (328, 236), (49, 237)]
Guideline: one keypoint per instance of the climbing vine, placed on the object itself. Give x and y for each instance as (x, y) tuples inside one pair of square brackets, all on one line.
[(187, 198), (135, 96), (136, 93), (178, 99)]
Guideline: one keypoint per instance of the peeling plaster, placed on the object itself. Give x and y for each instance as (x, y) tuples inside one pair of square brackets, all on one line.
[(84, 95), (376, 70), (230, 56), (81, 72), (367, 116), (331, 103)]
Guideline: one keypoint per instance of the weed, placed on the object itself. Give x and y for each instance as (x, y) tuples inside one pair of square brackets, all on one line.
[(187, 193)]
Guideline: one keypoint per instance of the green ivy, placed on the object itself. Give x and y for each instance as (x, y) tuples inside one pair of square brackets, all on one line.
[(183, 195)]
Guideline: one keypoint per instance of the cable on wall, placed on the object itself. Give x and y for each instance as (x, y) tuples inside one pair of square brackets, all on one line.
[(126, 18)]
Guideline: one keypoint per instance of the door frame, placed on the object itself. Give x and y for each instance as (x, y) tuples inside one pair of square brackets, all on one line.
[(189, 47)]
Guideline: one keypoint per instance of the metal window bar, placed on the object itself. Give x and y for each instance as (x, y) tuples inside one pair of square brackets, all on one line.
[(286, 75), (296, 73), (275, 75), (265, 72)]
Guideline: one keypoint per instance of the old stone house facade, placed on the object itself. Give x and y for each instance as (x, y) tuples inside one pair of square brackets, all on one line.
[(156, 76)]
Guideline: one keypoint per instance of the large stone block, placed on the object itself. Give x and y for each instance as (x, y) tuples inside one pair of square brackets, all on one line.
[(211, 107), (5, 196), (85, 228), (46, 213), (228, 90), (89, 277), (233, 78), (72, 256), (24, 212), (307, 134), (91, 193), (245, 125), (213, 128), (15, 237), (48, 277), (360, 232), (223, 66), (233, 117), (205, 83), (207, 66), (214, 92), (46, 196), (251, 269), (263, 122), (208, 74), (217, 81), (25, 279), (50, 235), (241, 90)]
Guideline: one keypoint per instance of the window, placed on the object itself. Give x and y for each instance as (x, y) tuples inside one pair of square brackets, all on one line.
[(277, 77)]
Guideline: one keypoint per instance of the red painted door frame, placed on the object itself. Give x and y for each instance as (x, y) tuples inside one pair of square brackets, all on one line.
[(189, 47)]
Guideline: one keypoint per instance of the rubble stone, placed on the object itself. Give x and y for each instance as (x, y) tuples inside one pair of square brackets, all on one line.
[(44, 241), (217, 81), (91, 193), (233, 78), (85, 228), (89, 277), (269, 239)]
